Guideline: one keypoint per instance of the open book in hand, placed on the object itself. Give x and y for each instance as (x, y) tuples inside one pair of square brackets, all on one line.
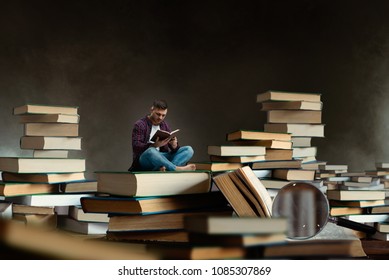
[(163, 134)]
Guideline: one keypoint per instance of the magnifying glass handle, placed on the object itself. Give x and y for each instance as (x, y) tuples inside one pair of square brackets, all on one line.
[(352, 225)]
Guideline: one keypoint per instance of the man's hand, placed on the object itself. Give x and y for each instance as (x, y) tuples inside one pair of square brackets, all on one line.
[(173, 143), (161, 143)]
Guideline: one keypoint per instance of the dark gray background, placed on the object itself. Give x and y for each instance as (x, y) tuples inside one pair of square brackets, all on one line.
[(208, 59)]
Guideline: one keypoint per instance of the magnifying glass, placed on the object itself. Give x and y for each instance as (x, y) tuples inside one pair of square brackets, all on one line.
[(307, 209)]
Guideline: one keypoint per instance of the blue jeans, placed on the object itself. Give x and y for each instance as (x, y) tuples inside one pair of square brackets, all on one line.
[(153, 160)]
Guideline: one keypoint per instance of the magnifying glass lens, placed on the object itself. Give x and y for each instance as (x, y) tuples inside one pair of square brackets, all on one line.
[(305, 207)]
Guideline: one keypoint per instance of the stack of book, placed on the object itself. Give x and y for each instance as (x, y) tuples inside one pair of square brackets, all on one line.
[(297, 113), (37, 184), (151, 206), (221, 237)]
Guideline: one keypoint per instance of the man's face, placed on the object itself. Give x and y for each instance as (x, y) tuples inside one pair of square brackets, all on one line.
[(157, 115)]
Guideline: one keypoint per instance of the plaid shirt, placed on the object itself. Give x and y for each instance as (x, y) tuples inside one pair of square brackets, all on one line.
[(140, 140)]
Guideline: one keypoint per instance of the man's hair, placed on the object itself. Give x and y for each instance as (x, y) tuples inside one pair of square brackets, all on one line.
[(160, 104)]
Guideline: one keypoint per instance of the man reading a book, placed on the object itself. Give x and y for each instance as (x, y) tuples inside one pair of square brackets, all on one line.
[(161, 154)]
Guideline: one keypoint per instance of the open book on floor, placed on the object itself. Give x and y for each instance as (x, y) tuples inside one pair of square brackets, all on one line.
[(245, 192)]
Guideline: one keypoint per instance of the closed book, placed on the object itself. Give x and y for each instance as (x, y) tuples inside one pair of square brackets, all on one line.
[(81, 186), (236, 150), (234, 225), (48, 199), (50, 153), (294, 116), (157, 222), (44, 109), (152, 204), (355, 195), (160, 237), (272, 164), (274, 144), (70, 224), (50, 143), (305, 130), (49, 118), (272, 95), (15, 189), (77, 213), (237, 159), (294, 174), (291, 105), (153, 183), (232, 240), (257, 135), (51, 178), (217, 166), (51, 129), (41, 165)]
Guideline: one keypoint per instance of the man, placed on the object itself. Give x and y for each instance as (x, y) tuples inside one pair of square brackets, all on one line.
[(161, 154)]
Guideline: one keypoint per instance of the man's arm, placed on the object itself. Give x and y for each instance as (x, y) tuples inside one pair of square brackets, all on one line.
[(140, 141)]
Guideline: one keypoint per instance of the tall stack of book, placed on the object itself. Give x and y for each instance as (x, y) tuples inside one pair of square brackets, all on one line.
[(33, 184), (297, 113), (151, 206), (300, 116)]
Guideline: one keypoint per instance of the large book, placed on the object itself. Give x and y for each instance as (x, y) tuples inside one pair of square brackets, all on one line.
[(294, 116), (50, 143), (51, 129), (49, 118), (211, 224), (14, 189), (153, 183), (44, 109), (236, 150), (162, 134), (302, 130), (291, 105), (355, 195), (217, 166), (287, 96), (158, 222), (257, 135), (41, 165), (152, 204), (48, 199), (51, 178)]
